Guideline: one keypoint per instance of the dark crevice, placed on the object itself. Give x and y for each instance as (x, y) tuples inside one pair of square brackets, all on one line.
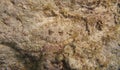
[(118, 5), (118, 44), (115, 19), (86, 26), (119, 68), (31, 62), (50, 32), (12, 45), (99, 25), (65, 66)]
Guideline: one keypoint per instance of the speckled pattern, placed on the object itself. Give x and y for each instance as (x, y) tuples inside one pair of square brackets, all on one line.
[(61, 34)]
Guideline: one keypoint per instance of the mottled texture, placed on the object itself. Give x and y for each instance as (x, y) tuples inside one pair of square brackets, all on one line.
[(60, 34)]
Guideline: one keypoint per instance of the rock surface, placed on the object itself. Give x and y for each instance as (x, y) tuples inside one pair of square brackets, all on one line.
[(59, 35)]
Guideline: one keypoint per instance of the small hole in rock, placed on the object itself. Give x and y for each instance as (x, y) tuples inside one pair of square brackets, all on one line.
[(99, 25), (60, 33), (50, 32)]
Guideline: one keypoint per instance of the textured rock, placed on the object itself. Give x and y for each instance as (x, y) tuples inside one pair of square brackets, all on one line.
[(8, 60), (60, 34)]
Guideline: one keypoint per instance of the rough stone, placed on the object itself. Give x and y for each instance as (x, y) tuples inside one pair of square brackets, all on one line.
[(59, 35)]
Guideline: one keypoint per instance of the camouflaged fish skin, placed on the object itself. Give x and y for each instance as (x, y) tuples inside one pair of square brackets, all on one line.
[(60, 34)]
